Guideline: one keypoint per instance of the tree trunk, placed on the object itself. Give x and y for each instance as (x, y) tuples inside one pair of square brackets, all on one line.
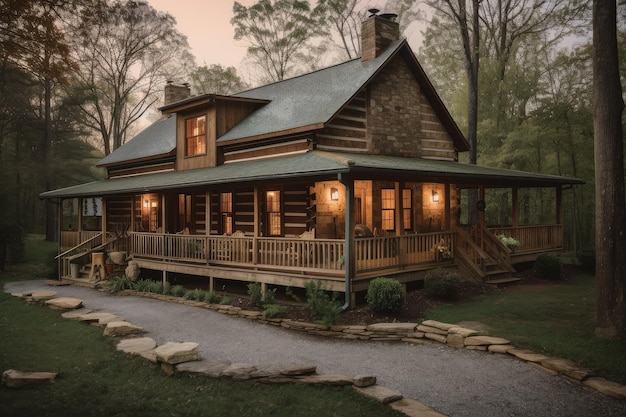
[(609, 175)]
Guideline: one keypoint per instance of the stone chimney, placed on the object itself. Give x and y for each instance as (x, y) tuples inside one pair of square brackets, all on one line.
[(377, 32), (176, 92)]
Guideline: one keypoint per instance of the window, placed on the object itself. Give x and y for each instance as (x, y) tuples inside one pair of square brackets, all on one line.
[(272, 205), (226, 212), (92, 213), (184, 211), (407, 208), (195, 136), (388, 205)]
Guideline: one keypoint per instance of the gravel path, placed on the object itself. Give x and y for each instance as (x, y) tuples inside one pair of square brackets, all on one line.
[(455, 382)]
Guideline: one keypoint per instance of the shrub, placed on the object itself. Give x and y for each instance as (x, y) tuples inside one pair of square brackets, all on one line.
[(256, 296), (167, 288), (142, 285), (226, 300), (155, 287), (178, 290), (548, 266), (442, 283), (270, 296), (320, 304), (273, 311), (119, 284), (385, 295), (197, 295), (211, 297)]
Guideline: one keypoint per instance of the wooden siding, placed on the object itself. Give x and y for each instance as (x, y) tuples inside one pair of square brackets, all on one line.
[(348, 129), (229, 114), (209, 159), (148, 168), (261, 151)]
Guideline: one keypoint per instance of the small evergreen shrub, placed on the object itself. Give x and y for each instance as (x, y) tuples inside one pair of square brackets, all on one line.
[(211, 297), (178, 290), (155, 287), (320, 304), (273, 311), (270, 296), (442, 283), (548, 266), (256, 296), (226, 300), (167, 288), (385, 295), (196, 295)]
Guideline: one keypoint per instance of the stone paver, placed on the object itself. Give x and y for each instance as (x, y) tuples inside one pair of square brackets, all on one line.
[(16, 379)]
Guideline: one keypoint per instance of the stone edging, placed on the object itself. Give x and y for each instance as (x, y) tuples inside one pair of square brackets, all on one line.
[(429, 331), (183, 357)]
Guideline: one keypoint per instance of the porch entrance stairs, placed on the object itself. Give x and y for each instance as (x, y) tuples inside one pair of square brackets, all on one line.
[(481, 256)]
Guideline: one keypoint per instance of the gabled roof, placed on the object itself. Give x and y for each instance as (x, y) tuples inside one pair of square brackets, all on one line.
[(315, 164), (158, 139), (309, 101)]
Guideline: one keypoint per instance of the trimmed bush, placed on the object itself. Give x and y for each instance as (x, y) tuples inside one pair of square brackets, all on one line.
[(211, 297), (178, 290), (442, 283), (385, 295), (548, 266), (119, 284), (256, 296), (226, 300), (320, 304), (273, 311)]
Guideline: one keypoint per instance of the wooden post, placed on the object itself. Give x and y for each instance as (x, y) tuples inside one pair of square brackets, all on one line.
[(481, 216), (257, 218), (349, 250), (514, 207), (559, 205), (447, 202)]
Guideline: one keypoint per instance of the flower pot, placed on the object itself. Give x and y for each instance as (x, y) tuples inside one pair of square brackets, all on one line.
[(109, 268), (118, 257)]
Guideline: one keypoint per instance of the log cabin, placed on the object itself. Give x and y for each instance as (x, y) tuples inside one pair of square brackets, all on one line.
[(340, 176)]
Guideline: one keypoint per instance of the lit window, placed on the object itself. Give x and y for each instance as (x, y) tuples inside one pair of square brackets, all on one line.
[(195, 136), (272, 204), (407, 209), (226, 212), (388, 205)]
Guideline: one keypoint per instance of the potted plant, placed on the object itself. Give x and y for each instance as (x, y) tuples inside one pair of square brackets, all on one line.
[(109, 265), (508, 241)]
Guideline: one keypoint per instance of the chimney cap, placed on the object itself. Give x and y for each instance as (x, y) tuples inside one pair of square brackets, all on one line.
[(389, 16), (373, 12)]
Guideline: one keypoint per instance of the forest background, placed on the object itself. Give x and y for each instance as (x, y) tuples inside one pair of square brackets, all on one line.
[(78, 78)]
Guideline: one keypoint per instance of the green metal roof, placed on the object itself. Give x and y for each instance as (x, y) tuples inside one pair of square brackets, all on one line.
[(157, 139), (314, 164)]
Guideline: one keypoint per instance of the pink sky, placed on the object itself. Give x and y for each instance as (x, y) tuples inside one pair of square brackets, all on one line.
[(207, 27)]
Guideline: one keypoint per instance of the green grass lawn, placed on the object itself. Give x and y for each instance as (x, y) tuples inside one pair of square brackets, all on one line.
[(558, 320), (96, 380)]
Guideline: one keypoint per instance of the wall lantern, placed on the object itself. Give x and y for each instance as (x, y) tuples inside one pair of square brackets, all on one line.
[(435, 196), (334, 194)]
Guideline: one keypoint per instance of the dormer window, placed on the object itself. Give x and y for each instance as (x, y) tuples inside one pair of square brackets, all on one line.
[(195, 136)]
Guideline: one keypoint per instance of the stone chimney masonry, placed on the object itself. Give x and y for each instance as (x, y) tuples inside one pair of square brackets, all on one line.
[(377, 32), (176, 92)]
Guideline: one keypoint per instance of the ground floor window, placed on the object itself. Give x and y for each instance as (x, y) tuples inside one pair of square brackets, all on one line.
[(272, 207), (388, 205), (407, 208), (226, 212)]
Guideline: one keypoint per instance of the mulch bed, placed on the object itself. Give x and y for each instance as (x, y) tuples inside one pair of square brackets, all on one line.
[(416, 303)]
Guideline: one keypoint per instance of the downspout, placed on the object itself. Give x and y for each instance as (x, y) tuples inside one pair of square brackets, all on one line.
[(348, 252)]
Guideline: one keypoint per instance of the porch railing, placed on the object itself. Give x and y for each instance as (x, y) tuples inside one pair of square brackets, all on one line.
[(294, 254), (72, 238), (534, 238)]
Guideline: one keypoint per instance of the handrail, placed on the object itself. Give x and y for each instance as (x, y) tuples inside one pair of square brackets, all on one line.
[(498, 248), (99, 235), (471, 254)]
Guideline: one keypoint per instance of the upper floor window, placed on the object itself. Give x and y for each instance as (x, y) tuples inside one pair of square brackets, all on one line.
[(195, 136), (388, 206)]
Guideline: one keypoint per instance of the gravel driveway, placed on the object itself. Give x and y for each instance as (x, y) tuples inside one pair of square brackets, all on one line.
[(455, 382)]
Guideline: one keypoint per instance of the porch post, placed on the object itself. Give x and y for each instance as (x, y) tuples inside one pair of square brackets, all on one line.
[(349, 249), (447, 200), (481, 216), (559, 205), (257, 217), (515, 207), (398, 185)]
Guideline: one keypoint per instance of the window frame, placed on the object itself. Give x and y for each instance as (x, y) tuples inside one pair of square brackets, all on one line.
[(197, 139), (227, 217), (274, 213), (388, 209)]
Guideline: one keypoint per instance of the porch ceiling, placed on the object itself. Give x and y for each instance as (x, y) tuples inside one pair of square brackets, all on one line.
[(316, 164)]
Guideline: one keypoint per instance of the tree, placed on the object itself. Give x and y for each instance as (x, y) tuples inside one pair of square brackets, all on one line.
[(126, 51), (216, 79), (608, 107), (279, 33)]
